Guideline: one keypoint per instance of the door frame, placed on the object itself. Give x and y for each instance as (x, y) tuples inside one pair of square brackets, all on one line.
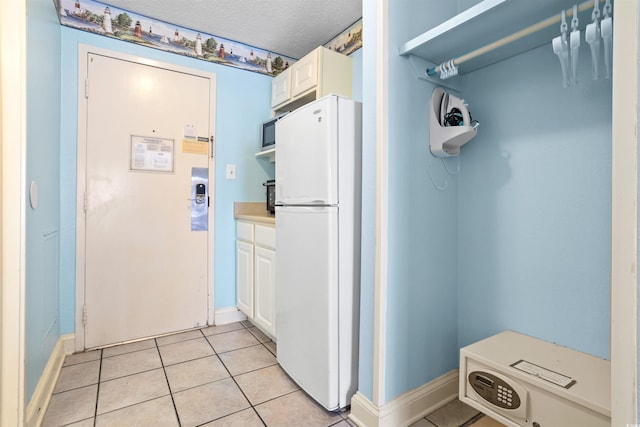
[(83, 51), (624, 216), (13, 143)]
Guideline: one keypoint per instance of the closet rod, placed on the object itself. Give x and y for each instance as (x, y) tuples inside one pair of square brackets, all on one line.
[(515, 36)]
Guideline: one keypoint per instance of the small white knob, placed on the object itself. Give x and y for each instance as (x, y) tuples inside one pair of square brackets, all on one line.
[(33, 195)]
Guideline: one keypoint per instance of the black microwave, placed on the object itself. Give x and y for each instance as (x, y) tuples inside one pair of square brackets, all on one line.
[(268, 132)]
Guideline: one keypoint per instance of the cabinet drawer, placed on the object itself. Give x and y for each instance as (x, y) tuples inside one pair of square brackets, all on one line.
[(266, 236), (244, 231)]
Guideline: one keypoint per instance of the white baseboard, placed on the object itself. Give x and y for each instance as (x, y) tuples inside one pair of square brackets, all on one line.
[(408, 408), (223, 316), (42, 394), (69, 343)]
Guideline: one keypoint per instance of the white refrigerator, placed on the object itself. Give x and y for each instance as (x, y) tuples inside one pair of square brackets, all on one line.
[(318, 199)]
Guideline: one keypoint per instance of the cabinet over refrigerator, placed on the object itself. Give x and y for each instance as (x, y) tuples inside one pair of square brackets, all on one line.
[(318, 199)]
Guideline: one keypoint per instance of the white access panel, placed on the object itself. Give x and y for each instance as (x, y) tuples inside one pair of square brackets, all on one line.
[(523, 381)]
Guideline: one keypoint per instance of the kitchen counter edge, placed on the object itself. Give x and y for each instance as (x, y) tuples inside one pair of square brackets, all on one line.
[(266, 219)]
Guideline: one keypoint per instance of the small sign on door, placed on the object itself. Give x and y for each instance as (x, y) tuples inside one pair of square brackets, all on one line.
[(151, 154), (192, 146)]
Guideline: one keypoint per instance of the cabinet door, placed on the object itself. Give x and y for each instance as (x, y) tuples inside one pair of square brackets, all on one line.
[(265, 301), (304, 74), (281, 88), (244, 277)]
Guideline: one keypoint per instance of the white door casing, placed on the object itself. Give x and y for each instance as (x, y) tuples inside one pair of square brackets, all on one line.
[(13, 143), (141, 270)]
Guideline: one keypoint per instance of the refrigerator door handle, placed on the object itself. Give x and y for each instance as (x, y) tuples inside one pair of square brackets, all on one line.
[(310, 203)]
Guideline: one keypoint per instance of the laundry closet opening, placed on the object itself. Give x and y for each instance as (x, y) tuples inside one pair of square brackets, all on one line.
[(535, 203)]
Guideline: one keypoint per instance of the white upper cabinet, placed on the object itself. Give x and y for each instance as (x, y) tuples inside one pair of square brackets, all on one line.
[(321, 72), (304, 74), (281, 87)]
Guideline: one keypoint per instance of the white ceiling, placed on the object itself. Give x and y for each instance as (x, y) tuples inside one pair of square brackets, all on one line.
[(288, 27)]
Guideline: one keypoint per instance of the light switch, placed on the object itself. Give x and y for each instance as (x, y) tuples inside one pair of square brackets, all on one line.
[(231, 171)]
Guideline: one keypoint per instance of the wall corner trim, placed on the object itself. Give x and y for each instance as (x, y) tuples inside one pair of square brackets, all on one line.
[(223, 316), (37, 407), (407, 408)]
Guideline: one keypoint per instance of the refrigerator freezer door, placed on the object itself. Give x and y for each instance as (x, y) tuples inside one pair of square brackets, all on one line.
[(307, 300), (307, 147)]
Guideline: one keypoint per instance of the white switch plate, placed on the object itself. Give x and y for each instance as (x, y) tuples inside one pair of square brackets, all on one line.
[(190, 131), (231, 171)]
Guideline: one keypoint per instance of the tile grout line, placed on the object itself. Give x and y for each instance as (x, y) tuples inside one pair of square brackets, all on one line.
[(263, 344), (236, 383), (166, 377), (473, 420), (95, 411), (157, 346)]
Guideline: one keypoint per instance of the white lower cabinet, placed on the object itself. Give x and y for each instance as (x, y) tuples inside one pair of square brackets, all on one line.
[(265, 292), (244, 276), (255, 274)]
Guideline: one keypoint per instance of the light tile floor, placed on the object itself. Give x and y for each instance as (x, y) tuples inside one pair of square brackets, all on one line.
[(219, 376), (456, 414)]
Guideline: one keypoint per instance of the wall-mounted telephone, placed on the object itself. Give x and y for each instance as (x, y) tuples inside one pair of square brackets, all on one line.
[(500, 391)]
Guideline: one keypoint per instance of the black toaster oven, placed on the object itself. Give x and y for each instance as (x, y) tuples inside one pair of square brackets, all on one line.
[(271, 195)]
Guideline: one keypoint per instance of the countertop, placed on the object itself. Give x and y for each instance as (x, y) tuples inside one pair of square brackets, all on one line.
[(253, 211)]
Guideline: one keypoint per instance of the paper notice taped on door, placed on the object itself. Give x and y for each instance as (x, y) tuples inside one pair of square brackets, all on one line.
[(192, 146), (151, 154)]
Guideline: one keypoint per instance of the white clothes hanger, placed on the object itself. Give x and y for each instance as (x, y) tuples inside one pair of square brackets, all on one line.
[(574, 42), (606, 30), (561, 48), (592, 36)]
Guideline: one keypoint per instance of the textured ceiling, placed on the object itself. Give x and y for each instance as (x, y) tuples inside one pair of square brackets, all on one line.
[(288, 27)]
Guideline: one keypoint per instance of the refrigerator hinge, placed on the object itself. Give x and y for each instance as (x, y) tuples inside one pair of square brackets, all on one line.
[(213, 146), (86, 88), (84, 315)]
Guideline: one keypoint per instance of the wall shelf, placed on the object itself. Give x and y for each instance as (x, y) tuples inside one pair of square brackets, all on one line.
[(267, 154), (484, 23)]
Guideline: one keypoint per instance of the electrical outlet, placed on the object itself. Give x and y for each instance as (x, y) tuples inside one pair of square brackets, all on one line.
[(231, 171)]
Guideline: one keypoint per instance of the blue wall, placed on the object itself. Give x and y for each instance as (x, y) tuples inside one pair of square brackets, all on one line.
[(421, 306), (421, 336), (368, 89), (535, 204), (42, 224), (243, 101), (513, 234)]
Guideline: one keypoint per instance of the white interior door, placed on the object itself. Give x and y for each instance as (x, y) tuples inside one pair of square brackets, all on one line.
[(145, 269)]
